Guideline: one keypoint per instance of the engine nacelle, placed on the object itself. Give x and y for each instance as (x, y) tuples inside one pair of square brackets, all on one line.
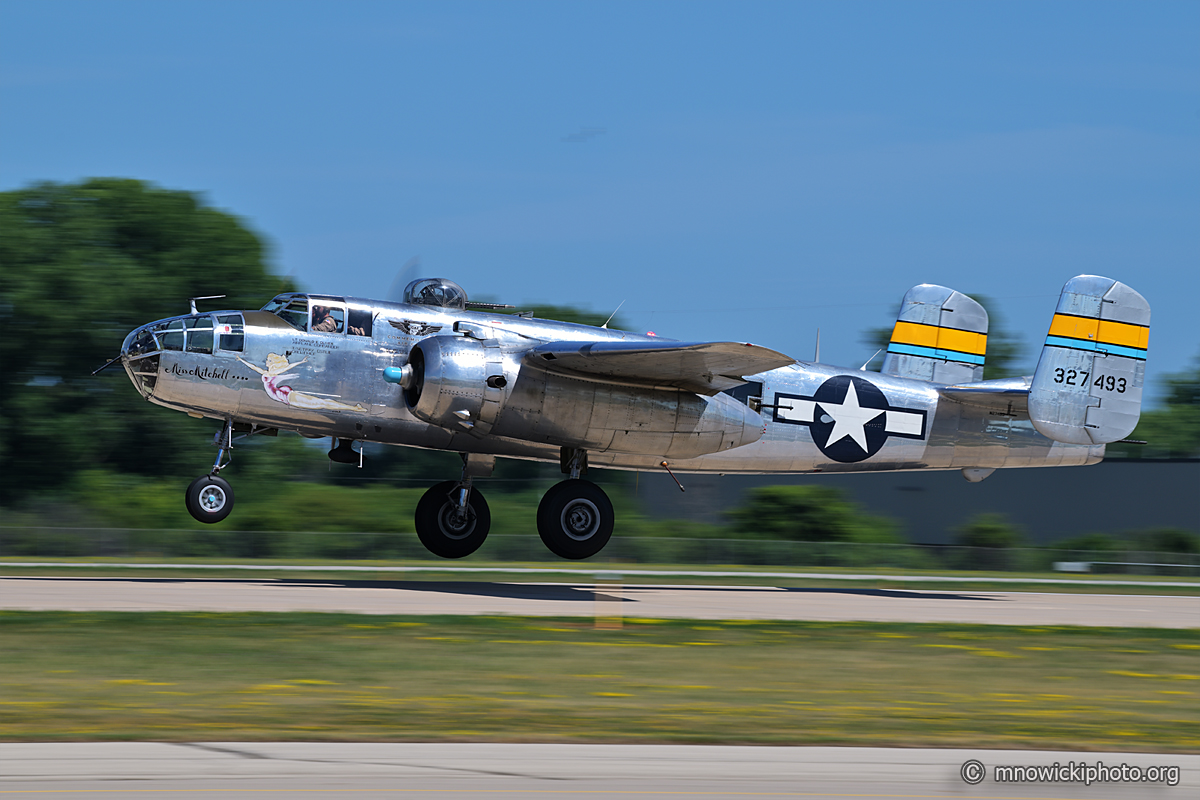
[(455, 382), (597, 415), (460, 383)]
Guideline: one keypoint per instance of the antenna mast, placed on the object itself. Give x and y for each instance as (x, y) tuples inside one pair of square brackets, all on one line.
[(613, 314), (192, 301)]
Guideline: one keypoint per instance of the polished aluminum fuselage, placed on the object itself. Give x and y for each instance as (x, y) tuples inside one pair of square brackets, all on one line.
[(331, 384)]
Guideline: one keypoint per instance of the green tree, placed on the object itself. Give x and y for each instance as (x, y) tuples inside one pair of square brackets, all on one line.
[(808, 514), (1005, 349), (987, 542), (990, 530), (1167, 540), (1092, 542), (80, 266)]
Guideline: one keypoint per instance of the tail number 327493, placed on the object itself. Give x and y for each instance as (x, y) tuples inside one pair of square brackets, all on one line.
[(1072, 377)]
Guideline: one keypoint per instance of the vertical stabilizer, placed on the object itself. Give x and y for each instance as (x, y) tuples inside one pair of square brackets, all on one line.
[(940, 336), (1088, 385)]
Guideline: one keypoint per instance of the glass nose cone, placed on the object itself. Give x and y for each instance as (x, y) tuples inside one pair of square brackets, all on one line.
[(140, 357), (139, 342)]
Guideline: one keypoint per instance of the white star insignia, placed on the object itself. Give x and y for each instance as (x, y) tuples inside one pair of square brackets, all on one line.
[(849, 419)]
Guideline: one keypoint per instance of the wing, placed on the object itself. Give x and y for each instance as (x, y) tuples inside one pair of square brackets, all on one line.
[(701, 367)]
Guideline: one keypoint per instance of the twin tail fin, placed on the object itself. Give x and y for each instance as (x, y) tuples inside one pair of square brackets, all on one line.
[(1088, 385), (1087, 389), (940, 336)]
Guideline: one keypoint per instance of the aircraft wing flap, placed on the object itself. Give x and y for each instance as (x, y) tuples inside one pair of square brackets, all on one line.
[(701, 367), (1010, 394)]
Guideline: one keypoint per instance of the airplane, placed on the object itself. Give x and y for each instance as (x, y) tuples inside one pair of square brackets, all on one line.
[(439, 371)]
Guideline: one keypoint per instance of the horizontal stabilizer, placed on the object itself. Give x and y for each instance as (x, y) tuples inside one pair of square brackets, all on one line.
[(1088, 385), (940, 336), (701, 367), (1008, 395)]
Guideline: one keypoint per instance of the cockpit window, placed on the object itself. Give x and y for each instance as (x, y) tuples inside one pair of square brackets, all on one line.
[(295, 313), (327, 319), (437, 292), (199, 334), (231, 332), (172, 336), (359, 323), (328, 314), (291, 309)]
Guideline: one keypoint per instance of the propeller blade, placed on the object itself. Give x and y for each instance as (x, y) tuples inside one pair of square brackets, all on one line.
[(407, 274)]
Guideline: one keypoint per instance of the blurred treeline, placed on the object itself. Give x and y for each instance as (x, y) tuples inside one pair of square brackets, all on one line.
[(1172, 431), (83, 264)]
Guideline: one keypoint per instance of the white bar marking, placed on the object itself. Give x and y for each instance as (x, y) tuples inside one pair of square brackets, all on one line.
[(800, 411), (903, 422)]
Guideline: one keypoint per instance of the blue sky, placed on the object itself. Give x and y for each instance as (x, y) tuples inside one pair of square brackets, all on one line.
[(748, 171)]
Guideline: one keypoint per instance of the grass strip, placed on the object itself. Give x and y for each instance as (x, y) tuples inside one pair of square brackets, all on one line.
[(256, 676)]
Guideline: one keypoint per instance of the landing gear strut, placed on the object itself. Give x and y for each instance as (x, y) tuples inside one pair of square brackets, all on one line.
[(575, 518), (452, 518), (209, 498)]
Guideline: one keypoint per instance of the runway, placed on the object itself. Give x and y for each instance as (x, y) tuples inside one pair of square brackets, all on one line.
[(550, 771), (75, 593)]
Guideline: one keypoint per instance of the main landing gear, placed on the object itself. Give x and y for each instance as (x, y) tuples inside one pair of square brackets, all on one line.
[(452, 518), (575, 518)]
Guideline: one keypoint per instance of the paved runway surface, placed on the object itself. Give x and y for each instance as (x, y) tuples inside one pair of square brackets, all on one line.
[(418, 771), (630, 575), (74, 593)]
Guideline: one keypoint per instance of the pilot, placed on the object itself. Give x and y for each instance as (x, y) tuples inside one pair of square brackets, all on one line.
[(322, 321)]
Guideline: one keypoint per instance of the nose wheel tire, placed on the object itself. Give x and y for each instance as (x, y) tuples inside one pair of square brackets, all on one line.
[(209, 498), (443, 529), (575, 519)]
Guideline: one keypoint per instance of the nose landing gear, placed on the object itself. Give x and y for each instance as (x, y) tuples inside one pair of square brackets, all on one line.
[(209, 498)]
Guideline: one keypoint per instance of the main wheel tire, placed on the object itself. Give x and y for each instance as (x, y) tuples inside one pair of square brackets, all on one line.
[(209, 498), (575, 519), (440, 529)]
